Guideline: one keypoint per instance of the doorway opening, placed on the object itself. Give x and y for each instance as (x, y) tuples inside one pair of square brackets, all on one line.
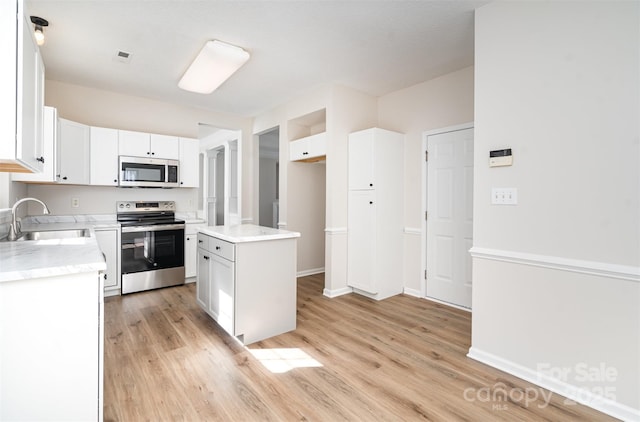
[(269, 178), (221, 175)]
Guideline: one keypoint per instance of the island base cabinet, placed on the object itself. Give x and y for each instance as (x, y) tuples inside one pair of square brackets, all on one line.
[(252, 297), (265, 289), (50, 343)]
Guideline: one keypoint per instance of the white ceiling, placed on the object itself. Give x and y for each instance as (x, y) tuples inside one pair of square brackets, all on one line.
[(374, 46)]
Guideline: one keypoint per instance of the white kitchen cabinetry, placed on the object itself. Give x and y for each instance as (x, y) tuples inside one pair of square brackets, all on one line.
[(309, 149), (73, 153), (375, 213), (140, 144), (191, 250), (247, 283), (50, 135), (110, 246), (189, 163), (51, 332), (104, 156), (22, 85)]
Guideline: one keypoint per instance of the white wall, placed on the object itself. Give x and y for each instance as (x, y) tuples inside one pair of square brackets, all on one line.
[(434, 104), (556, 279)]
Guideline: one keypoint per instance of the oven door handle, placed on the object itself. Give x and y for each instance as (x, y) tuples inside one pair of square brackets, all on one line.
[(134, 229)]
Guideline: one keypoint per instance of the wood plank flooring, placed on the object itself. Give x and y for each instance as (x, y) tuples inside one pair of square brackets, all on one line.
[(353, 359)]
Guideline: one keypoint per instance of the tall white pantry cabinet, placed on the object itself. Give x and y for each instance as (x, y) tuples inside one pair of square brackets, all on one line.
[(375, 213)]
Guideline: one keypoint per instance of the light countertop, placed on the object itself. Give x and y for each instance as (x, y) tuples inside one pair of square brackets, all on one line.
[(246, 233), (29, 259)]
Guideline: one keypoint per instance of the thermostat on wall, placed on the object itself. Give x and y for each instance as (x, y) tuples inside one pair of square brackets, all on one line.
[(500, 157)]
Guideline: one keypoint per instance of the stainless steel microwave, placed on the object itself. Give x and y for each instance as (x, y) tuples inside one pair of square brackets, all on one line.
[(145, 172)]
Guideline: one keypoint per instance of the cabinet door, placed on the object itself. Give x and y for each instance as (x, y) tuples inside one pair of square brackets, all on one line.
[(30, 100), (222, 294), (135, 144), (189, 163), (361, 157), (73, 153), (104, 156), (203, 279), (50, 136), (298, 150), (108, 243), (361, 240), (190, 255), (163, 146)]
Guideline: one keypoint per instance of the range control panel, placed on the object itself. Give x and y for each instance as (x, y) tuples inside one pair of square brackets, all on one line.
[(145, 206)]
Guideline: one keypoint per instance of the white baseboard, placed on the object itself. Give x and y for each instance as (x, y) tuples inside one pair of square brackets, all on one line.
[(112, 292), (312, 271), (442, 302), (413, 292), (337, 292), (571, 392)]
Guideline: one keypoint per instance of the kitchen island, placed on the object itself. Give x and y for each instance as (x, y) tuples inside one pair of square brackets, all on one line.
[(246, 279)]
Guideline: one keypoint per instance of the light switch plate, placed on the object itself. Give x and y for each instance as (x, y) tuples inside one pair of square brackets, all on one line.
[(504, 196)]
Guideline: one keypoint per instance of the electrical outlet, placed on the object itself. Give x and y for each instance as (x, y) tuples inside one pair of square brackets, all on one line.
[(75, 202), (504, 196)]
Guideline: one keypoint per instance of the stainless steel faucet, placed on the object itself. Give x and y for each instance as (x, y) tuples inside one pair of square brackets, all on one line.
[(14, 229)]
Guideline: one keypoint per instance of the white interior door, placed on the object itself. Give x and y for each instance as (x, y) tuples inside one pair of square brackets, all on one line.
[(450, 216)]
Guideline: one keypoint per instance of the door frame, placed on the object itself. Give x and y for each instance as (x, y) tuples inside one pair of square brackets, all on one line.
[(423, 237)]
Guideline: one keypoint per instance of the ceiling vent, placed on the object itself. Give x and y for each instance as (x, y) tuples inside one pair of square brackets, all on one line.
[(123, 56)]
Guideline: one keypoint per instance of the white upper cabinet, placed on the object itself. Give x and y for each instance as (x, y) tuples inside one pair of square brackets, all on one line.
[(309, 149), (140, 144), (104, 156), (163, 146), (189, 163), (50, 135), (73, 153), (362, 150), (22, 85)]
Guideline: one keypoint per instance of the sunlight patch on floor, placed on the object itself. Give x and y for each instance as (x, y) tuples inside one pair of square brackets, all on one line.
[(279, 361)]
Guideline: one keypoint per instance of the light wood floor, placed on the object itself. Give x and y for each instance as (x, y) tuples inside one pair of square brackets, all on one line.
[(399, 359)]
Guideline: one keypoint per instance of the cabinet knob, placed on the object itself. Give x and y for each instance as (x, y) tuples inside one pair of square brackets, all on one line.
[(305, 153), (105, 276), (64, 178), (182, 183), (41, 159), (188, 238), (371, 184), (205, 257), (371, 202), (153, 153), (217, 248), (148, 153), (200, 241), (115, 180)]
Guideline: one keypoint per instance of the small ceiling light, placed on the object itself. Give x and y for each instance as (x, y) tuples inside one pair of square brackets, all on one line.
[(38, 31), (215, 63)]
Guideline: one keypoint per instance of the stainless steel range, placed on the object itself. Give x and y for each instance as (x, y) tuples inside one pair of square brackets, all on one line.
[(151, 245)]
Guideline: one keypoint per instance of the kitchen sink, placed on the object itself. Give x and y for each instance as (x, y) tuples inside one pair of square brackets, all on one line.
[(55, 234)]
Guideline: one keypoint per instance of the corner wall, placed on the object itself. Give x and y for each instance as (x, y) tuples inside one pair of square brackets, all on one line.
[(556, 278), (441, 102)]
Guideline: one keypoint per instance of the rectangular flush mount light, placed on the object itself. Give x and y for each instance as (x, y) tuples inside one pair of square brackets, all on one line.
[(215, 63)]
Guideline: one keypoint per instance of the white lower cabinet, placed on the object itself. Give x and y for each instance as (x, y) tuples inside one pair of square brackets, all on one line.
[(191, 250), (248, 287), (51, 339), (109, 245)]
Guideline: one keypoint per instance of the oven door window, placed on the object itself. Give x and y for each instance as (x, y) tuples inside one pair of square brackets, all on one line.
[(152, 250), (137, 172)]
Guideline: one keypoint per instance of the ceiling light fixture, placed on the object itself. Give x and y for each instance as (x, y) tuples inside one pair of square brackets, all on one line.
[(215, 63), (38, 31)]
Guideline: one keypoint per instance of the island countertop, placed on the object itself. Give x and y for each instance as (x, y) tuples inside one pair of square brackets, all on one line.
[(240, 233)]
